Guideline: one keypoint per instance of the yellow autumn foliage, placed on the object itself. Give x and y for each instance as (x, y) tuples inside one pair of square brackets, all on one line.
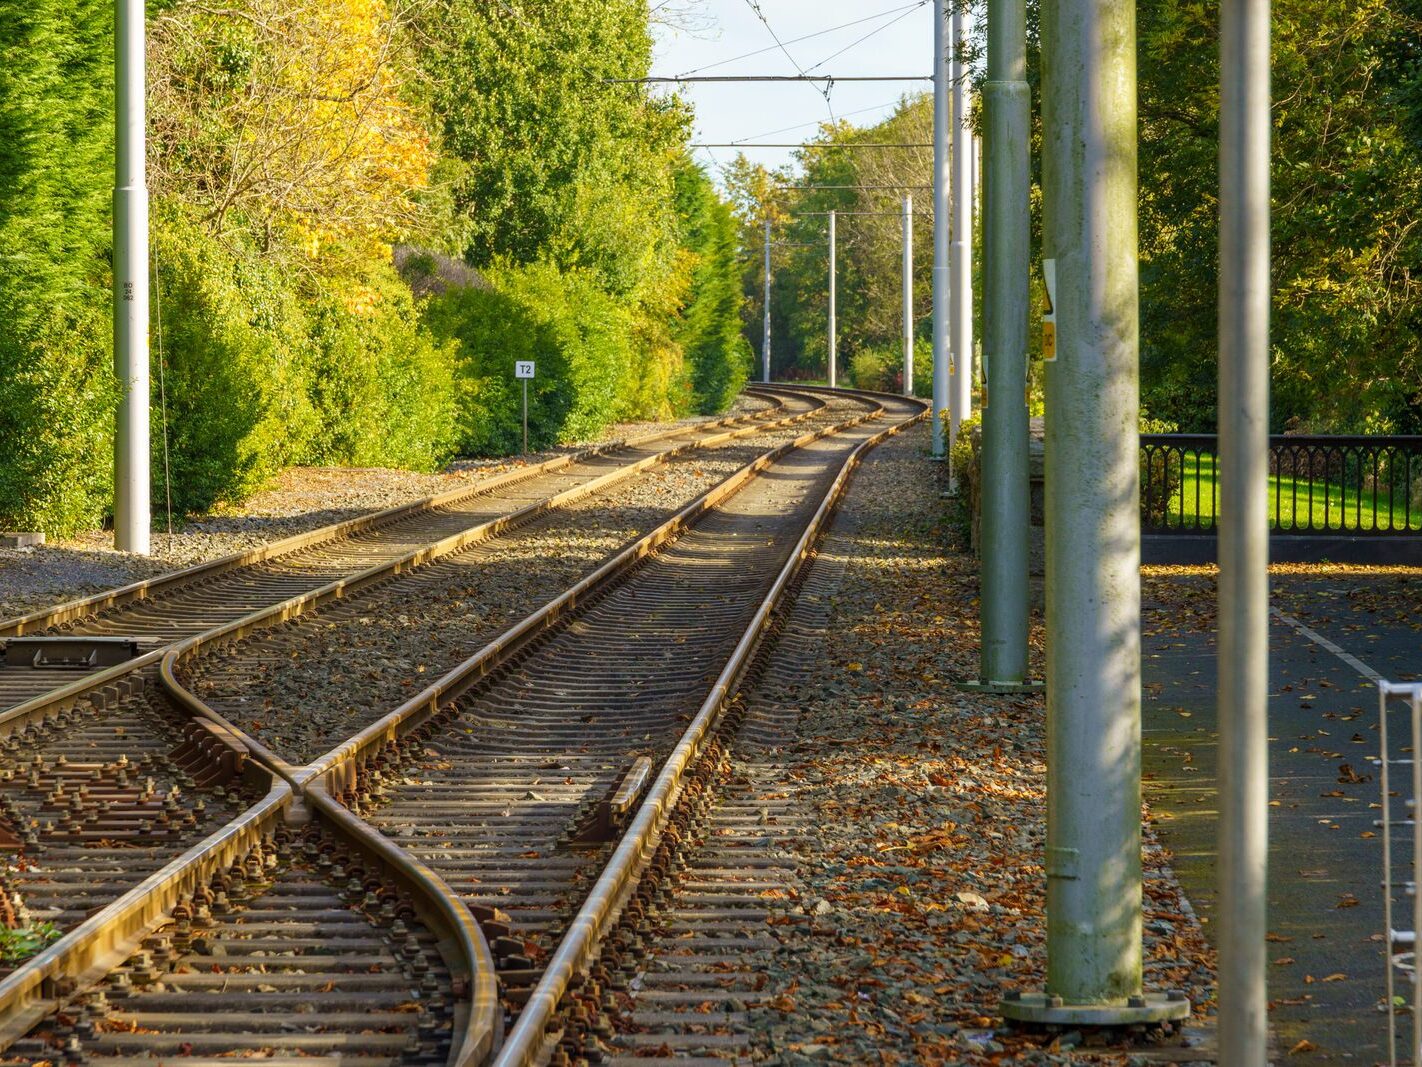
[(287, 116)]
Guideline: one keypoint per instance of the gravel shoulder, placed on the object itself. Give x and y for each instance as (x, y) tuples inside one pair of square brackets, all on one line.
[(920, 870), (297, 500)]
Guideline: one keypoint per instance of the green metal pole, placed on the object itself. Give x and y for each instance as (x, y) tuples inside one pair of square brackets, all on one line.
[(1093, 859), (1006, 266)]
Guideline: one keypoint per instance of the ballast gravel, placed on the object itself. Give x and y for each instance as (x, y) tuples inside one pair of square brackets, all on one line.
[(920, 870), (307, 686), (297, 500)]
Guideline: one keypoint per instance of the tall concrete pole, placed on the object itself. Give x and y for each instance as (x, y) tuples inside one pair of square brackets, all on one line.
[(941, 106), (131, 480), (765, 333), (1244, 528), (1006, 271), (908, 296), (1093, 855), (960, 396), (833, 329)]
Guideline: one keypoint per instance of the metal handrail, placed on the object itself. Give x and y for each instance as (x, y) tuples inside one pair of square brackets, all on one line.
[(1324, 484)]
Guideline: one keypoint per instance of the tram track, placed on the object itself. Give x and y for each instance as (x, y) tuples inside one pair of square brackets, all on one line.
[(498, 793), (306, 684), (513, 778), (157, 613)]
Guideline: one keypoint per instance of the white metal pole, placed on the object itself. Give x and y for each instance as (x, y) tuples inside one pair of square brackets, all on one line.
[(1244, 529), (765, 325), (132, 519), (960, 271), (941, 107), (908, 296), (833, 354)]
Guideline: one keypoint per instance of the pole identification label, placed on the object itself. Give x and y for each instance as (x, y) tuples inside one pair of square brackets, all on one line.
[(1049, 313), (523, 368)]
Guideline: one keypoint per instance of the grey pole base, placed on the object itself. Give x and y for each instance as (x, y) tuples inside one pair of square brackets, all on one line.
[(1141, 1010), (1002, 688)]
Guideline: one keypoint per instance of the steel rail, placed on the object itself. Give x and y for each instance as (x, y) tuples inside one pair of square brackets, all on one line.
[(280, 613), (109, 935), (68, 611), (112, 682), (529, 1038), (106, 939), (338, 768)]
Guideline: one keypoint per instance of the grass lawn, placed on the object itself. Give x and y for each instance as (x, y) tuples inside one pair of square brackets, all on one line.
[(1289, 504)]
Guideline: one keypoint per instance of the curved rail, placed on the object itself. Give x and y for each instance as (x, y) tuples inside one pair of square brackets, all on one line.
[(338, 767), (70, 610), (111, 934), (294, 607), (526, 1043), (123, 678)]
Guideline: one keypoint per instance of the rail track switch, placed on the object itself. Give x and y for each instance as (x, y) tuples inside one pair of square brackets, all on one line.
[(77, 652)]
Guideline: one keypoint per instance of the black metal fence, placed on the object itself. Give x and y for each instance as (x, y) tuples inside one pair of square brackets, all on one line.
[(1359, 486)]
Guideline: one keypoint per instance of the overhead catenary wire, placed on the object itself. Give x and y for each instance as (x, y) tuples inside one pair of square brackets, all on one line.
[(811, 144), (861, 40), (754, 5), (677, 79), (802, 125), (806, 37)]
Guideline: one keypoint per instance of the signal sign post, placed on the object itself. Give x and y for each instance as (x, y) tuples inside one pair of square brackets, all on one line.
[(523, 370)]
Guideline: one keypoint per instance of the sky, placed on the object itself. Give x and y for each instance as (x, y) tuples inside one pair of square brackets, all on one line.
[(897, 38)]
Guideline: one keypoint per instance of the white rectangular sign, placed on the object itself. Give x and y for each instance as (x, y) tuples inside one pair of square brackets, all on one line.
[(523, 368)]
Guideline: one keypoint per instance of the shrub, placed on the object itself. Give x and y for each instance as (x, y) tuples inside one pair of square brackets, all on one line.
[(381, 386), (56, 380), (580, 337), (57, 404), (234, 342), (709, 325)]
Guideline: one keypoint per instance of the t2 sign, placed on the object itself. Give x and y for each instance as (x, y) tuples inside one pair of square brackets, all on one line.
[(523, 371)]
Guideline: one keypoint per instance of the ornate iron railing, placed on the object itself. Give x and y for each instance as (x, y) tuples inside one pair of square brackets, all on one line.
[(1358, 486)]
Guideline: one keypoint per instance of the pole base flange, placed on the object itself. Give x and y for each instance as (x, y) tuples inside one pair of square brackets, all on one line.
[(1044, 1010), (1002, 688)]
